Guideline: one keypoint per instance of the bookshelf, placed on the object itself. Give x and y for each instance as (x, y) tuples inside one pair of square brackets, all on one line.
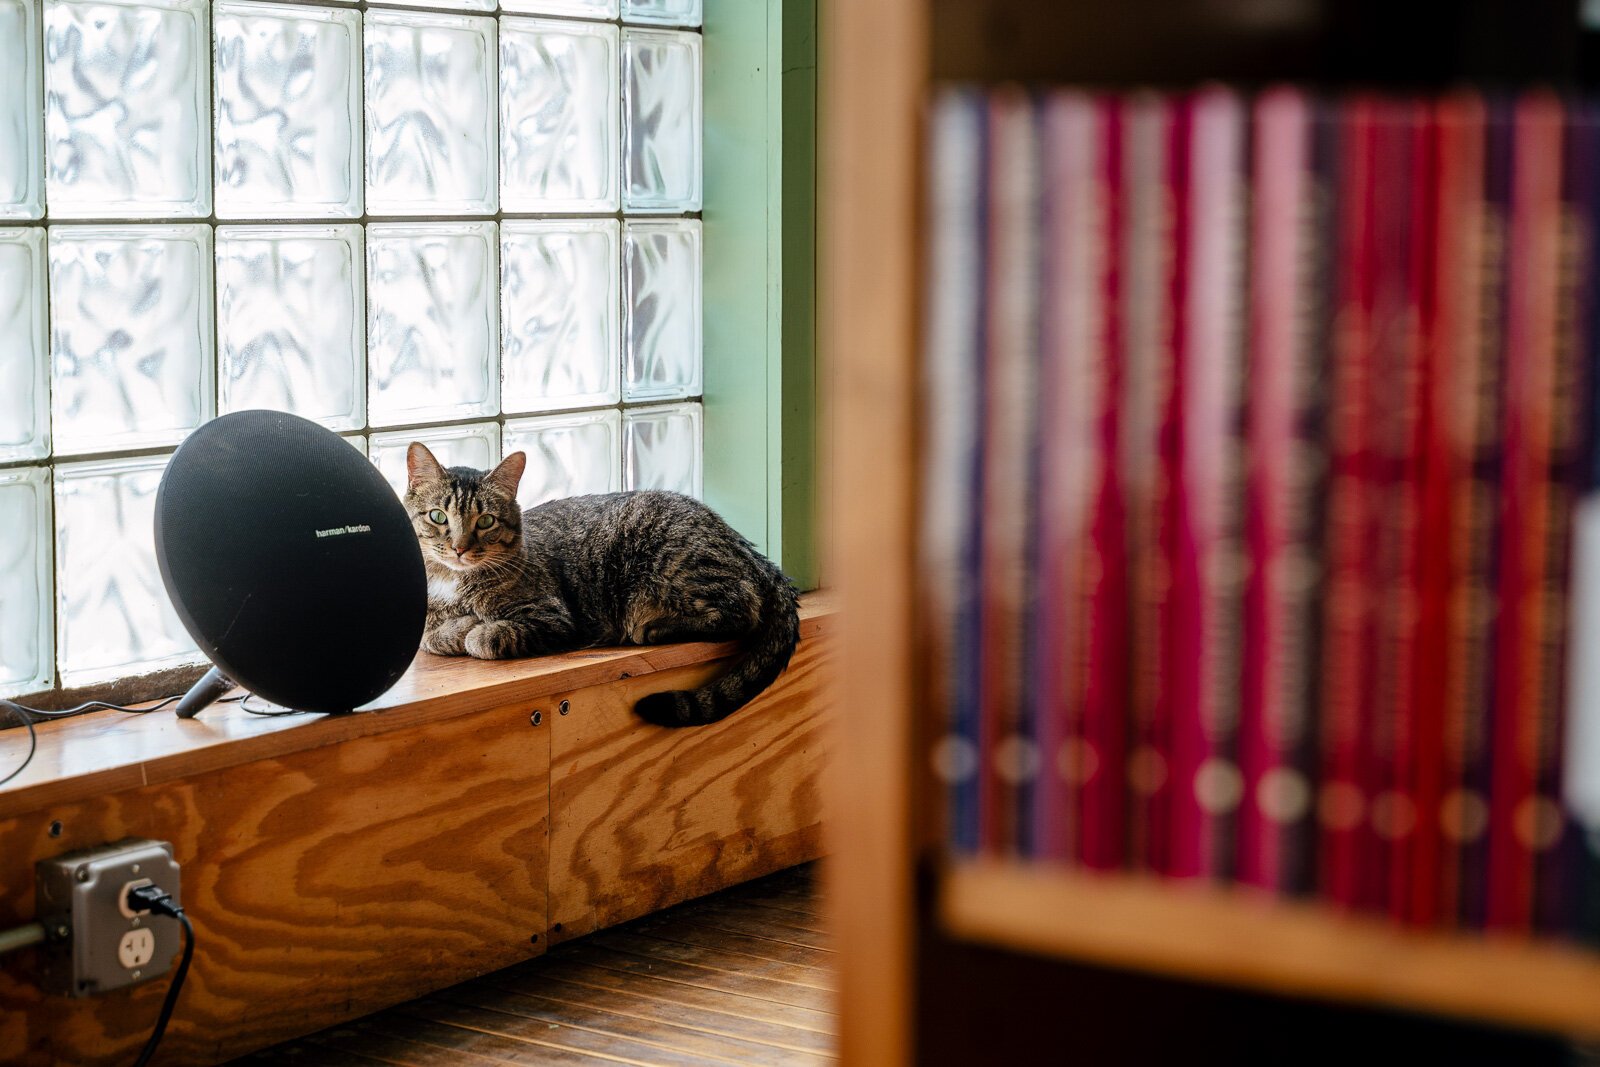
[(898, 912)]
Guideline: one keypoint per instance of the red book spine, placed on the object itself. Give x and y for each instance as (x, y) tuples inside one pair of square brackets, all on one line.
[(1011, 368), (1147, 382), (1102, 578), (1450, 327), (1074, 250), (1204, 453), (1529, 422), (1282, 491), (1404, 158), (1345, 653)]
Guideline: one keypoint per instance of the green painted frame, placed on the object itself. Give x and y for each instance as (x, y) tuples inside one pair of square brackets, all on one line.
[(761, 463)]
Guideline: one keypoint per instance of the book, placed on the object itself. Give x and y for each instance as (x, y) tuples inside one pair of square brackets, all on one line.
[(1075, 251), (1346, 653), (1204, 456), (1450, 531), (1147, 382), (1007, 747), (1402, 263), (1286, 366), (1103, 574), (1552, 829), (1528, 505), (951, 400)]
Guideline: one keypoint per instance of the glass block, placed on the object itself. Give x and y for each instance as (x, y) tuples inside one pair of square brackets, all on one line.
[(128, 108), (358, 442), (588, 9), (113, 617), (131, 335), (476, 446), (433, 326), (21, 112), (464, 5), (288, 112), (662, 12), (431, 143), (660, 120), (661, 308), (27, 654), (568, 455), (559, 316), (24, 363), (661, 449), (558, 116), (291, 321)]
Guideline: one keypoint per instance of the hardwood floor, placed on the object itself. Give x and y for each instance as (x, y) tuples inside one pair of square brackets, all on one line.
[(744, 977)]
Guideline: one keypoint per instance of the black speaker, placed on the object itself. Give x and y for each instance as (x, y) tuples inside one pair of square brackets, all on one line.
[(290, 562)]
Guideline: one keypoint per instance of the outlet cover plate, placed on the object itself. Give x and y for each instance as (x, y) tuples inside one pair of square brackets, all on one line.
[(103, 947)]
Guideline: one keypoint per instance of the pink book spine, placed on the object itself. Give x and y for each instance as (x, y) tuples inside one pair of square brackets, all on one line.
[(1205, 546), (1067, 456), (1104, 567), (1273, 713)]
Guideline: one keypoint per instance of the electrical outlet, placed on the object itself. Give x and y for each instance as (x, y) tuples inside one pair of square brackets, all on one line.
[(97, 943)]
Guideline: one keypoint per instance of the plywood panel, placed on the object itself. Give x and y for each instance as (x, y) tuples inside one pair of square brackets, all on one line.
[(323, 884), (642, 818)]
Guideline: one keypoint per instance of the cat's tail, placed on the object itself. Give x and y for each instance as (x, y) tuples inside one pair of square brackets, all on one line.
[(765, 654)]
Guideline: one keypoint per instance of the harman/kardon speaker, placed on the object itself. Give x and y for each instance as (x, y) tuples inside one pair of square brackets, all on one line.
[(290, 562)]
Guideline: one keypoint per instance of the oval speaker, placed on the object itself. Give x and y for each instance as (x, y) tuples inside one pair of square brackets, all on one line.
[(290, 561)]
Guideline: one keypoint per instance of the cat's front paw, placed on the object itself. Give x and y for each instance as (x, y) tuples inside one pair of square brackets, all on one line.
[(449, 637), (493, 640)]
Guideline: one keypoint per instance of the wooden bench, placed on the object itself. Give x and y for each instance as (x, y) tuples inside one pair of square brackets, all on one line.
[(479, 812)]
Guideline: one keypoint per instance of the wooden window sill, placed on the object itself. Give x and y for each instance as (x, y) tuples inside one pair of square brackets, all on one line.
[(109, 751)]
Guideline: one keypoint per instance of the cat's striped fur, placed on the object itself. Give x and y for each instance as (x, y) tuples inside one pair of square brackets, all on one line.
[(637, 568)]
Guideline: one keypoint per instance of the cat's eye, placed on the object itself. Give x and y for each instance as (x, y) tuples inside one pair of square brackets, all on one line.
[(485, 521), (437, 517)]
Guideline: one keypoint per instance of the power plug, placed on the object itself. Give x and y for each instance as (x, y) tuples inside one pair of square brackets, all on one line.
[(99, 938)]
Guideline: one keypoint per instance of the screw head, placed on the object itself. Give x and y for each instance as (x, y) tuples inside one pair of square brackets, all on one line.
[(138, 973), (537, 718), (135, 868), (82, 874), (565, 707), (62, 931), (136, 921)]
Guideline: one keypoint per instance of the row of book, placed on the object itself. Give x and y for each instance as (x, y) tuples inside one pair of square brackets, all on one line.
[(1260, 535)]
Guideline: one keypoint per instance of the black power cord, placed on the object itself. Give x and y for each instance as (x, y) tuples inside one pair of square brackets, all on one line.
[(29, 716), (152, 898)]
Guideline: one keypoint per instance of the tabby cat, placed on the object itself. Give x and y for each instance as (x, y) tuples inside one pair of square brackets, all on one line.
[(637, 568)]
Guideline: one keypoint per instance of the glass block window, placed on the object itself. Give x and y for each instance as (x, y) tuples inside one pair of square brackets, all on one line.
[(469, 223)]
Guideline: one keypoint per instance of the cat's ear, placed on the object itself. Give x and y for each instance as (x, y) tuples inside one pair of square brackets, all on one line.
[(509, 473), (421, 466)]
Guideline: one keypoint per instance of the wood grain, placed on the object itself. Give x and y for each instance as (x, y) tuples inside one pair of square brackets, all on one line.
[(874, 56), (103, 752), (767, 948), (816, 1003), (645, 818), (629, 995), (682, 1036), (322, 884), (717, 958), (1216, 934)]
